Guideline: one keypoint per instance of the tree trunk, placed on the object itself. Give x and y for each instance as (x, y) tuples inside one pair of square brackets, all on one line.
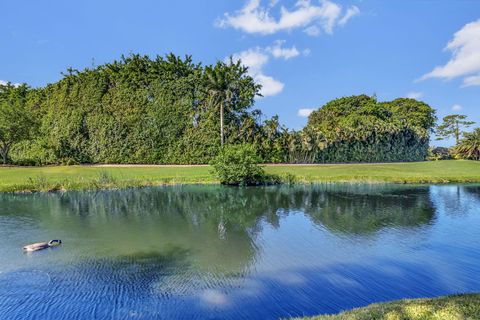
[(221, 124), (457, 132), (4, 151)]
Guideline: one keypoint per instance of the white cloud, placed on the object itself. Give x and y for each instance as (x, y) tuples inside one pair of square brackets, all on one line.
[(471, 81), (456, 107), (279, 52), (255, 18), (415, 95), (312, 31), (270, 86), (351, 12), (465, 60), (304, 112), (256, 59)]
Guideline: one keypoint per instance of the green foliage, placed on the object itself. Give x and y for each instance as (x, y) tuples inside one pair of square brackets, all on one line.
[(469, 146), (360, 129), (452, 126), (139, 110), (238, 165), (86, 177), (229, 87), (170, 110), (16, 122)]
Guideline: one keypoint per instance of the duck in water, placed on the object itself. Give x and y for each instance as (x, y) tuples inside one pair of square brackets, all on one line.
[(42, 245)]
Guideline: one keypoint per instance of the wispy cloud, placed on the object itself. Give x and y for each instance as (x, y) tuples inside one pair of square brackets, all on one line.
[(351, 12), (280, 52), (255, 18), (471, 81), (256, 59), (456, 107), (415, 95), (305, 112), (465, 60)]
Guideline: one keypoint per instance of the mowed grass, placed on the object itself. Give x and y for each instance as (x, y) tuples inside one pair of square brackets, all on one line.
[(451, 171), (17, 179), (458, 307), (50, 178)]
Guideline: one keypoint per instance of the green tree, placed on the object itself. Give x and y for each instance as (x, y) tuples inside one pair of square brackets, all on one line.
[(452, 126), (139, 110), (229, 86), (16, 122), (361, 129), (469, 146)]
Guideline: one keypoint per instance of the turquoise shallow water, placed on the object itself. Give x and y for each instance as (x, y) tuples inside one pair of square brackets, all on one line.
[(212, 252)]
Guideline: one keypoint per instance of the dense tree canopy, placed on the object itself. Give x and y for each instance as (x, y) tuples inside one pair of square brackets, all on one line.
[(173, 110), (361, 129), (141, 110), (16, 122)]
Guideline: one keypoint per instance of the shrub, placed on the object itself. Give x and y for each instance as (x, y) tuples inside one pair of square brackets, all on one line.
[(238, 165)]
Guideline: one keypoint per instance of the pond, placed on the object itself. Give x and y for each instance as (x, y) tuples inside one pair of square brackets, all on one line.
[(212, 252)]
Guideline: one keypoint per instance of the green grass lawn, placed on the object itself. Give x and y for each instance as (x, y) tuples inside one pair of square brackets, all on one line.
[(98, 177), (411, 172), (460, 307)]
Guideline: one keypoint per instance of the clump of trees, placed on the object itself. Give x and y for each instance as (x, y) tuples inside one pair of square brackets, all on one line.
[(172, 110), (16, 122), (361, 129), (142, 110), (467, 144)]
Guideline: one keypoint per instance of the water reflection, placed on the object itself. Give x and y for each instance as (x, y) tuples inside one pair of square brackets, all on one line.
[(198, 251)]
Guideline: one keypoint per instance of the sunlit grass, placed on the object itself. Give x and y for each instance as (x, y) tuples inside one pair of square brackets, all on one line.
[(52, 178), (411, 172), (458, 307)]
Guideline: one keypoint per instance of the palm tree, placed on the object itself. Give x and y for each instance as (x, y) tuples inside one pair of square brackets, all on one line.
[(229, 86), (220, 89), (469, 146)]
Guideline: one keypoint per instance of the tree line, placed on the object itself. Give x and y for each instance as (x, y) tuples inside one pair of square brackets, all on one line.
[(172, 110)]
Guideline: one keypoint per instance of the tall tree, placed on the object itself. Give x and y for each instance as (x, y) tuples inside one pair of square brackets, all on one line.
[(452, 126), (229, 86), (16, 123)]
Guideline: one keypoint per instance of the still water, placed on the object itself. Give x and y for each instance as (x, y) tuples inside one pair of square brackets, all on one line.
[(212, 252)]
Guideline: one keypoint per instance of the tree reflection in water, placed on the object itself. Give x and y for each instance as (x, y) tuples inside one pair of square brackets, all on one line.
[(218, 225), (174, 248)]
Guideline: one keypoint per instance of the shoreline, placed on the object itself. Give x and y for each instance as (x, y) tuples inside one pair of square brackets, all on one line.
[(457, 306), (101, 177)]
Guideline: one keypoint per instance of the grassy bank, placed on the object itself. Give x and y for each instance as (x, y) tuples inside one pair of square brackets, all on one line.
[(14, 179), (459, 307)]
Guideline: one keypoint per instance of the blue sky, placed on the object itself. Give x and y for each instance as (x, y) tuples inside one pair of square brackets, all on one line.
[(304, 52)]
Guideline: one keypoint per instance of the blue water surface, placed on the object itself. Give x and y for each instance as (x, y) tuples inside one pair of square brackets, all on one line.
[(212, 252)]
